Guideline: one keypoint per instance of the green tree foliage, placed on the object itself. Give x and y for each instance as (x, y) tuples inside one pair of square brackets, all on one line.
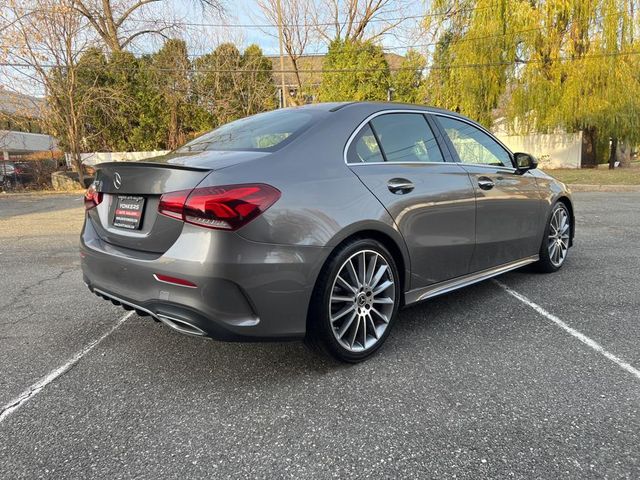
[(407, 80), (159, 101), (354, 71), (474, 55), (581, 74), (231, 85), (169, 70), (113, 120), (550, 64)]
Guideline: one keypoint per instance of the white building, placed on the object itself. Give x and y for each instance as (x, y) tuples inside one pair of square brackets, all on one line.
[(19, 126)]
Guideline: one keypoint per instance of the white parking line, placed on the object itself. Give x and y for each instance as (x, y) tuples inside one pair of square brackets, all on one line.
[(572, 331), (37, 387)]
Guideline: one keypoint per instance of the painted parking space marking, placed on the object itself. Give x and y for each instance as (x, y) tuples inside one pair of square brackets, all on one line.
[(37, 387), (571, 331)]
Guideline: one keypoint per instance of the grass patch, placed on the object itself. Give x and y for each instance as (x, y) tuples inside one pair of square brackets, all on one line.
[(600, 176)]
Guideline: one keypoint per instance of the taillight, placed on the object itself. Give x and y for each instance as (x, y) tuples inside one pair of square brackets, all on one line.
[(92, 197), (227, 207), (172, 204)]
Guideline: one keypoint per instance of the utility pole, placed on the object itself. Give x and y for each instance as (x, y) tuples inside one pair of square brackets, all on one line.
[(283, 95)]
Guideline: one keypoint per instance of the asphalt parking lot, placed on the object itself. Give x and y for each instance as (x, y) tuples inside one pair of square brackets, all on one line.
[(473, 384)]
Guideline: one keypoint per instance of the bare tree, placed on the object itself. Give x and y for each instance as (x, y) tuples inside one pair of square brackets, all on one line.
[(47, 44), (297, 31), (112, 19), (357, 19)]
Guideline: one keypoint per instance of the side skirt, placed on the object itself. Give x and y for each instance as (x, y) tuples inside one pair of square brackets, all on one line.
[(436, 289)]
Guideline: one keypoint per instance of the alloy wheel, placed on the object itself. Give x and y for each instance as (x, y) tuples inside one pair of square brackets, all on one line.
[(558, 241), (362, 300)]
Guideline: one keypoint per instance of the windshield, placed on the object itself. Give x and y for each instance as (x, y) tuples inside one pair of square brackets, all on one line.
[(265, 132)]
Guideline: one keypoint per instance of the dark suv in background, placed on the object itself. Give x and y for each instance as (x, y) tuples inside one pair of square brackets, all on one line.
[(15, 173)]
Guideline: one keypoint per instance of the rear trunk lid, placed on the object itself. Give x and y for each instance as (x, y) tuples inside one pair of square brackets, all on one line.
[(128, 215)]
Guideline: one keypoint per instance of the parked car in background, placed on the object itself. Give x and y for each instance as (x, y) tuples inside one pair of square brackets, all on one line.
[(15, 173), (318, 222)]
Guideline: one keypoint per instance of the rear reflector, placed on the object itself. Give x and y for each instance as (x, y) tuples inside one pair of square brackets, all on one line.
[(92, 197), (226, 207), (174, 280)]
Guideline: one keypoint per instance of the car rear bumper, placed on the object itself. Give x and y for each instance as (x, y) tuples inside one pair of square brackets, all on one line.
[(244, 290)]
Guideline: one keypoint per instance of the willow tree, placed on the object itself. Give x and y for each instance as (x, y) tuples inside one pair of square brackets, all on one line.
[(475, 54), (581, 73), (554, 65)]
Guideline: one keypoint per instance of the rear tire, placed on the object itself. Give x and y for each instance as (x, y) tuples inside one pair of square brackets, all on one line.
[(555, 243), (355, 301)]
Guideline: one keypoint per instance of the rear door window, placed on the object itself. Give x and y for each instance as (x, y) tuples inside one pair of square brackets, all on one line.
[(472, 145), (406, 137)]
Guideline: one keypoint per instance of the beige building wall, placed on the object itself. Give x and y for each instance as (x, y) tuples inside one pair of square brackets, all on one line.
[(556, 150)]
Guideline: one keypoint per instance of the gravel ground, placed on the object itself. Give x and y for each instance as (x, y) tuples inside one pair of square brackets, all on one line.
[(472, 384)]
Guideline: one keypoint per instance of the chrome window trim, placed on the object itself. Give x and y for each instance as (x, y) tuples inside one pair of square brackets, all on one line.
[(384, 112), (483, 130), (400, 163)]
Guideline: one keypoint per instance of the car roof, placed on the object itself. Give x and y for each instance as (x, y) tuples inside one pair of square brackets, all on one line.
[(373, 107), (379, 106)]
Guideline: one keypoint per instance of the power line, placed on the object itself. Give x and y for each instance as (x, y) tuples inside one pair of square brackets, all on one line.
[(298, 25), (400, 47)]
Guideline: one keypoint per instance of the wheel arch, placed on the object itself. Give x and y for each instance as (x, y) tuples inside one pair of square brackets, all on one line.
[(569, 204), (391, 240), (387, 236)]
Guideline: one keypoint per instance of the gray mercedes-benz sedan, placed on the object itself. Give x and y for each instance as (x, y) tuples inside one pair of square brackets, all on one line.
[(318, 222)]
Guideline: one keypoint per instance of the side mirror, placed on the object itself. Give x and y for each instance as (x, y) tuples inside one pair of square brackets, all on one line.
[(525, 161)]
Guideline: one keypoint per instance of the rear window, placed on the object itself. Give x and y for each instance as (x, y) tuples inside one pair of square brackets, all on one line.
[(263, 132)]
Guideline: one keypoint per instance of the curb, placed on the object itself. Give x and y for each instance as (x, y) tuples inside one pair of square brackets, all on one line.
[(577, 187)]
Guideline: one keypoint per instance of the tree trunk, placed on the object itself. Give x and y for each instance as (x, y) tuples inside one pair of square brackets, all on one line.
[(589, 157), (612, 153), (74, 150), (624, 154), (78, 160), (300, 97), (172, 142)]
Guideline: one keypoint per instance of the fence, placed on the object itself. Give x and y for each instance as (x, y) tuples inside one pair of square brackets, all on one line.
[(553, 150)]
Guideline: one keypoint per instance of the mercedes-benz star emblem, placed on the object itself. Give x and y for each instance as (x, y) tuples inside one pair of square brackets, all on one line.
[(117, 180)]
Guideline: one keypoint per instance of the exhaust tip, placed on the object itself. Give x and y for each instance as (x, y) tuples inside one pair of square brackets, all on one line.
[(180, 325)]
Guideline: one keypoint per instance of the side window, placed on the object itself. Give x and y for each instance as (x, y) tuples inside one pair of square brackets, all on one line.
[(473, 145), (364, 147), (406, 137)]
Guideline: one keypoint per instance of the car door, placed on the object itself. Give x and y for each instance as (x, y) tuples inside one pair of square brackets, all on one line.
[(509, 204), (397, 156)]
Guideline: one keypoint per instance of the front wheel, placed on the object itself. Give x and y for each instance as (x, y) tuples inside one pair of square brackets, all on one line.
[(555, 243), (355, 301)]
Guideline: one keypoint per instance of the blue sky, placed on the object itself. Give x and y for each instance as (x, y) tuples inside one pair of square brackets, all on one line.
[(246, 12), (205, 38)]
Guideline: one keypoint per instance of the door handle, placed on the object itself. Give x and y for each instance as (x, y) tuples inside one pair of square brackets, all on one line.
[(485, 183), (400, 186)]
